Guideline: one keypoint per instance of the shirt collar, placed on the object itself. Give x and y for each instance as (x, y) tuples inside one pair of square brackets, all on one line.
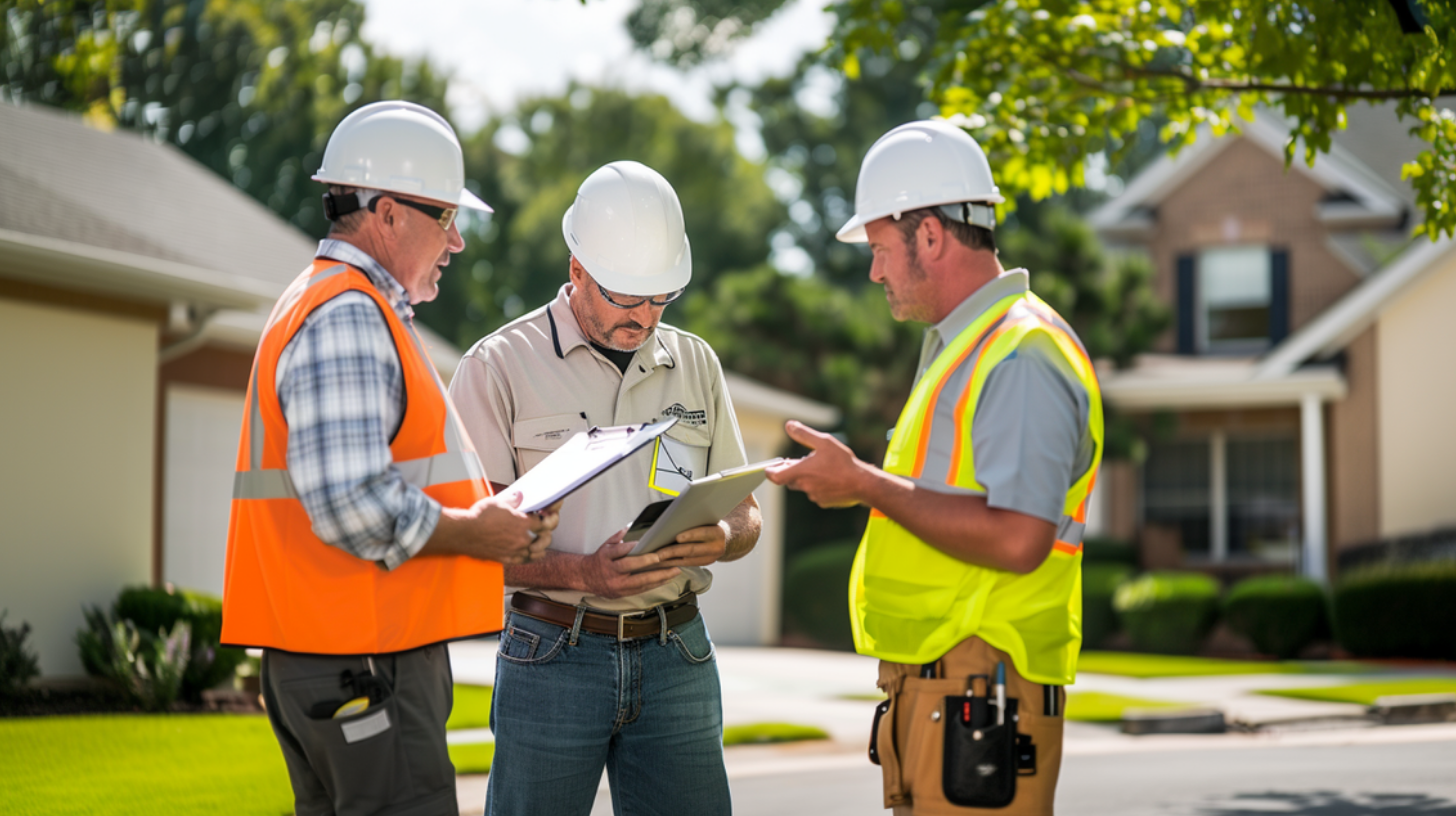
[(568, 334), (345, 252), (1013, 282)]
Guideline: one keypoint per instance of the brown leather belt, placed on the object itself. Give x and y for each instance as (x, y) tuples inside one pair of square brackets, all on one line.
[(626, 626)]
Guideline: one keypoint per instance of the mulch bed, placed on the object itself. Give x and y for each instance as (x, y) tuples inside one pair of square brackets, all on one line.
[(46, 702)]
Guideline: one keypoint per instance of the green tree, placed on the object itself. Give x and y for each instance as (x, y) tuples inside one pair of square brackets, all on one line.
[(1044, 84), (516, 259), (249, 88)]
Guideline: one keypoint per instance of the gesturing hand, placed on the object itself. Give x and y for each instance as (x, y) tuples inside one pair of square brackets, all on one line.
[(608, 572), (830, 475)]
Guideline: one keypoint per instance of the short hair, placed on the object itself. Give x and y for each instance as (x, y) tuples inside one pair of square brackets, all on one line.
[(349, 224), (969, 235)]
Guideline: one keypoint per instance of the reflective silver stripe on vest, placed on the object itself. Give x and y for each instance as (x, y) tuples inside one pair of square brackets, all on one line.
[(1071, 531), (442, 468), (337, 269), (263, 484), (942, 426), (256, 434)]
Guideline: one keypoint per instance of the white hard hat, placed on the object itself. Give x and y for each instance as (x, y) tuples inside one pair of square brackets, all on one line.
[(922, 164), (399, 147), (626, 229)]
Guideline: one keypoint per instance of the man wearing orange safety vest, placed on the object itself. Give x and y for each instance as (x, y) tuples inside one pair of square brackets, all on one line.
[(967, 583), (364, 535)]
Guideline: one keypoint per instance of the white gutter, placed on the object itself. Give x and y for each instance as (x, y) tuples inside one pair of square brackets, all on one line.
[(1341, 323), (1224, 389), (69, 265)]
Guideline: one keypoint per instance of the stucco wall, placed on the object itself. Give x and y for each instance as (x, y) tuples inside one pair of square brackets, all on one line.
[(1417, 373), (1353, 465), (76, 467)]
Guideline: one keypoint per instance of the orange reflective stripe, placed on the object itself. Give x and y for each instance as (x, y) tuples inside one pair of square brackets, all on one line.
[(1069, 549), (925, 432)]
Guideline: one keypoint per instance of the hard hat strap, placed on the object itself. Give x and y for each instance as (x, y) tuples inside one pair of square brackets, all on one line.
[(971, 212), (340, 205)]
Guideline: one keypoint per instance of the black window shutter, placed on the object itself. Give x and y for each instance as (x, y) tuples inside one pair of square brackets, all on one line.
[(1278, 296), (1187, 303)]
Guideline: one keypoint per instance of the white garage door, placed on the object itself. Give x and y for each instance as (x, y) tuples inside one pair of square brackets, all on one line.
[(203, 426)]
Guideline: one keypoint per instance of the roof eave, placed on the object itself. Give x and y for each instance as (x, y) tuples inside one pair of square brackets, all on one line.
[(1134, 392)]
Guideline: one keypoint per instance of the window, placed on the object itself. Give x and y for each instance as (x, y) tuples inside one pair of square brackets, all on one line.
[(1232, 300), (1229, 498)]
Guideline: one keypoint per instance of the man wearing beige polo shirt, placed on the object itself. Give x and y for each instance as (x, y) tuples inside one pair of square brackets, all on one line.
[(604, 661)]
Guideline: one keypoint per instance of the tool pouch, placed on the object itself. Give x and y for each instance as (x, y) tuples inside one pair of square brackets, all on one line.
[(980, 763)]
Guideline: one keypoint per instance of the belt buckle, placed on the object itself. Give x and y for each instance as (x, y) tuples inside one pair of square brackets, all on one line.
[(621, 628)]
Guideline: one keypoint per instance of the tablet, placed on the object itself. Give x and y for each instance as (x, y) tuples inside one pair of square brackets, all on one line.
[(703, 502)]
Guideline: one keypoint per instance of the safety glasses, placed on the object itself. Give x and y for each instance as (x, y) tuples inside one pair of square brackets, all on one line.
[(632, 304), (444, 216)]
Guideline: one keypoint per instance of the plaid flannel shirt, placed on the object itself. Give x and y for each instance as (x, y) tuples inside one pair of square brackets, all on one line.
[(341, 388)]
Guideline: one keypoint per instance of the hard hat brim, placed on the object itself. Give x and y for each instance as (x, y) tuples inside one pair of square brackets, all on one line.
[(472, 201)]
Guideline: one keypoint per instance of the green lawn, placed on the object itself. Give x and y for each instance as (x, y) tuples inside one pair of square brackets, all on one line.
[(760, 733), (118, 764), (1129, 664), (473, 758), (1097, 706), (1367, 693), (472, 707)]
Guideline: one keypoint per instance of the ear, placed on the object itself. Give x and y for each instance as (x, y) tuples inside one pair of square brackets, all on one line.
[(578, 273), (930, 237)]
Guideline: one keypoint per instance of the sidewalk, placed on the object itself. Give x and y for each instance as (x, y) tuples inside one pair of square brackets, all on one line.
[(836, 692)]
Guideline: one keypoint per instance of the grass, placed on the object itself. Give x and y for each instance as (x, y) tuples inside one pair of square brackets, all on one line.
[(120, 764), (472, 708), (762, 733), (1367, 693), (1097, 706), (473, 758), (1130, 664)]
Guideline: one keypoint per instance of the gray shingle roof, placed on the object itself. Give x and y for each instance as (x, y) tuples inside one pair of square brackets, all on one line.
[(62, 179)]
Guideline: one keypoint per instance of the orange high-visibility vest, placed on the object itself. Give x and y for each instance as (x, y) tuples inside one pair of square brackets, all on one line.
[(911, 603), (285, 588)]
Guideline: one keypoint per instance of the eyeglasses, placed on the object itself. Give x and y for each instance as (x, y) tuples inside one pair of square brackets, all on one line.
[(658, 302), (444, 216)]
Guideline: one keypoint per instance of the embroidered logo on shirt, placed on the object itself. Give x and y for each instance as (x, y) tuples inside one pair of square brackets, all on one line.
[(686, 417)]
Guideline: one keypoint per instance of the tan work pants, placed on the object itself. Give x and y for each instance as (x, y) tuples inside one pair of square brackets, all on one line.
[(911, 733)]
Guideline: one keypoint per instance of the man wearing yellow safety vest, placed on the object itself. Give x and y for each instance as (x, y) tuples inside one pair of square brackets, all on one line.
[(364, 535), (967, 583)]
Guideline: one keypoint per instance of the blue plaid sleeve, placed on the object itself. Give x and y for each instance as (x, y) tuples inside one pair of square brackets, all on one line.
[(341, 388)]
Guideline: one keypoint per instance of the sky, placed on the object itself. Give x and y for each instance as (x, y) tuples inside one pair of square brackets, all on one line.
[(501, 51)]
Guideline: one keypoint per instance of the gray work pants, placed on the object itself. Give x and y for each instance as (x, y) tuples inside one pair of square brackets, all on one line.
[(389, 760)]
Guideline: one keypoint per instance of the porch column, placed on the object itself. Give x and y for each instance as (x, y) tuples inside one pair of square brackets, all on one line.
[(1312, 455)]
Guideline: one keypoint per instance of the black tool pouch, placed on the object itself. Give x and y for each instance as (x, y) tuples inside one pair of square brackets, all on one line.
[(980, 763)]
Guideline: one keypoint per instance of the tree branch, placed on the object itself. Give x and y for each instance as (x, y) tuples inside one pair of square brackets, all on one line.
[(1233, 85)]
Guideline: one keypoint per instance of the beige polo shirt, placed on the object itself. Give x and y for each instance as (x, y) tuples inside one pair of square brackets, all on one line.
[(535, 382)]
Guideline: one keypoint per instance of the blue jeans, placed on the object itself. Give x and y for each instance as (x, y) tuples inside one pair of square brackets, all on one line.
[(649, 709)]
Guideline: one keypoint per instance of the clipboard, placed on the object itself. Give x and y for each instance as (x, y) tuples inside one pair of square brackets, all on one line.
[(581, 459), (704, 501)]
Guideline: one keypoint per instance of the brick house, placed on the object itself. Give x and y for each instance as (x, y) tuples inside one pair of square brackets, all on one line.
[(1297, 407)]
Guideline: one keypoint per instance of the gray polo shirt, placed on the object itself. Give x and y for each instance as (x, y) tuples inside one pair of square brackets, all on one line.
[(1029, 434), (534, 383)]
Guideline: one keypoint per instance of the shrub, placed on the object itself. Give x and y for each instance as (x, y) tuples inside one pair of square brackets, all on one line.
[(1398, 610), (1099, 583), (148, 667), (18, 663), (155, 610), (1109, 551), (1281, 614), (816, 594), (1168, 612)]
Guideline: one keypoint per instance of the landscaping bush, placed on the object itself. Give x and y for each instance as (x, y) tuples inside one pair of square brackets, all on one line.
[(18, 663), (1168, 612), (816, 594), (1109, 551), (155, 610), (1099, 583), (1398, 610), (148, 667), (1281, 614)]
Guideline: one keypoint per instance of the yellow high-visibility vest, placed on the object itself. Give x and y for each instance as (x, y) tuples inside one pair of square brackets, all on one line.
[(911, 603)]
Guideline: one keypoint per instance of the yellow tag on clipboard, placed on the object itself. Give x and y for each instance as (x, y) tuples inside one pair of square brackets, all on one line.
[(666, 475)]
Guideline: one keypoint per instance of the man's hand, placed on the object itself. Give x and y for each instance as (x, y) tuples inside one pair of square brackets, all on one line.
[(608, 572), (697, 547), (493, 529), (831, 475)]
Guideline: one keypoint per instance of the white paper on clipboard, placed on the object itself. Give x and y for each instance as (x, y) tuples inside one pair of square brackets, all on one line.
[(583, 458)]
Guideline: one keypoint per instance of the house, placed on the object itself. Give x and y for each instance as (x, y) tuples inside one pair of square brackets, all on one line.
[(1298, 407), (134, 285)]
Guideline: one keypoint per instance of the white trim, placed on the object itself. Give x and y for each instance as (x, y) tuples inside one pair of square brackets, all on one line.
[(1312, 484), (1342, 322), (1219, 384), (68, 265)]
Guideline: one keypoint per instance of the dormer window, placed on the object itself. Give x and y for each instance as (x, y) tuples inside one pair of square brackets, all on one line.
[(1232, 300)]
